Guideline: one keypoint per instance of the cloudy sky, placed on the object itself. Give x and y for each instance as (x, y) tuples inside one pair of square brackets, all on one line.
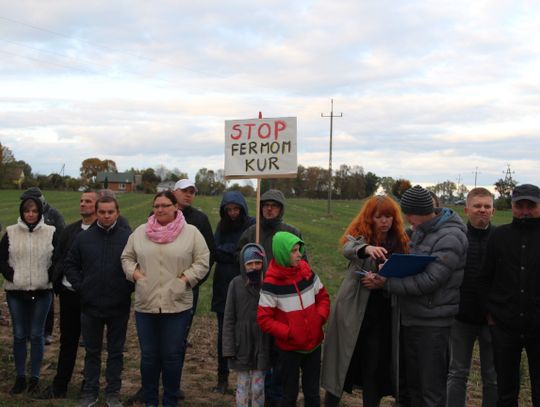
[(429, 90)]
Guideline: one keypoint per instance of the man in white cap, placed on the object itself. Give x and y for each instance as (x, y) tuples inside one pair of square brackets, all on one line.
[(510, 289)]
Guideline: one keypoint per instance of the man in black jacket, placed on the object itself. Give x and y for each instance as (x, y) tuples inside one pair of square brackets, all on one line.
[(510, 288), (70, 309), (470, 323), (94, 269)]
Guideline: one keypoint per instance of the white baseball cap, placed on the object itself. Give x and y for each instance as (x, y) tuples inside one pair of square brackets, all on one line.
[(185, 184)]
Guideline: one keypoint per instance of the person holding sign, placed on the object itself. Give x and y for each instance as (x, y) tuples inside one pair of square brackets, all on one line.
[(429, 300), (358, 343)]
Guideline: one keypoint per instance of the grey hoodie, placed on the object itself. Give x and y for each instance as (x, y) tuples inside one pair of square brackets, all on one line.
[(431, 298), (269, 227)]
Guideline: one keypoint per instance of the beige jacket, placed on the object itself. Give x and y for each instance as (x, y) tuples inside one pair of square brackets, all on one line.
[(161, 290)]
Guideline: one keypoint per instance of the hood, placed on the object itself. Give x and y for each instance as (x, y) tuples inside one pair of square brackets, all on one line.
[(234, 197), (274, 195), (446, 217), (39, 205), (242, 265), (282, 244)]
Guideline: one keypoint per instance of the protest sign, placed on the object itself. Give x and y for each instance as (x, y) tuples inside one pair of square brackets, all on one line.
[(261, 148)]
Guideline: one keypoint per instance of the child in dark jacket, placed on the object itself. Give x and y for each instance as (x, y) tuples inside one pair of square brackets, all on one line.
[(293, 308), (244, 344)]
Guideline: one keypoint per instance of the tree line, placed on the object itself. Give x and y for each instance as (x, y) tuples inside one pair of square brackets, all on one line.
[(347, 182)]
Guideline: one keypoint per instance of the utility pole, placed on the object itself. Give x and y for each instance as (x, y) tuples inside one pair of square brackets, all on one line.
[(475, 175), (331, 116)]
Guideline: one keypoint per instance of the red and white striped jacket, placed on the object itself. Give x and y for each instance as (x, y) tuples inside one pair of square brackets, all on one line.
[(293, 307)]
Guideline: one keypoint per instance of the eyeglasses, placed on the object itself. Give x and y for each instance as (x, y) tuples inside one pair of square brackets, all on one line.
[(162, 206), (270, 205)]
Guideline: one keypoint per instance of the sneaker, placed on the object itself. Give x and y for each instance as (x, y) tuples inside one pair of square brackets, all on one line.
[(19, 386), (33, 386), (138, 397), (87, 400), (50, 392), (48, 339), (113, 401)]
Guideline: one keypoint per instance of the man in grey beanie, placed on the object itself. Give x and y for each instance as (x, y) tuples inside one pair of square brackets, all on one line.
[(429, 300)]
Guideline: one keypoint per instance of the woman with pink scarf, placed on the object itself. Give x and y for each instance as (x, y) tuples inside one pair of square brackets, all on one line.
[(165, 257)]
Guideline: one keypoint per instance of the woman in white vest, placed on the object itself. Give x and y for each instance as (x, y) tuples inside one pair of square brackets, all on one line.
[(26, 257)]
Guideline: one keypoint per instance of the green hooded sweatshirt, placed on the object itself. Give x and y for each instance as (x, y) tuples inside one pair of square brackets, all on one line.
[(282, 245)]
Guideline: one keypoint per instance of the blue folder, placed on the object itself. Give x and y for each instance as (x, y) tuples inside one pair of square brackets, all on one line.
[(404, 265)]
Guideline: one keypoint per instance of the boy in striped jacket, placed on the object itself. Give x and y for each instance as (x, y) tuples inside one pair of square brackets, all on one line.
[(293, 307)]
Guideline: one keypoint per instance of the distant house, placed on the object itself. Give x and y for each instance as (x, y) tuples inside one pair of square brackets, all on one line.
[(116, 181), (165, 186), (14, 175)]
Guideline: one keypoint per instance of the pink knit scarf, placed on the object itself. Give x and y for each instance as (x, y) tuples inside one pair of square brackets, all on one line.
[(164, 234)]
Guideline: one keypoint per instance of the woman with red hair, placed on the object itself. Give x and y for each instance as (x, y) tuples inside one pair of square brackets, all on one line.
[(358, 346)]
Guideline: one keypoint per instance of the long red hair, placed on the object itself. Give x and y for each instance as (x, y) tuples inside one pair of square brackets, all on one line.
[(363, 224)]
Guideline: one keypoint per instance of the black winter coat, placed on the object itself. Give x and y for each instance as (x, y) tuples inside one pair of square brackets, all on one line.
[(510, 278), (470, 308), (94, 269), (227, 266), (198, 219)]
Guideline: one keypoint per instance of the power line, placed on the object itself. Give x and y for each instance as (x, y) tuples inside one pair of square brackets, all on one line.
[(113, 50)]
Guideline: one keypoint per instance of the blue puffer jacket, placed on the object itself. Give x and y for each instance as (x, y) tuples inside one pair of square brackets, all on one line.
[(94, 269), (226, 239), (431, 298)]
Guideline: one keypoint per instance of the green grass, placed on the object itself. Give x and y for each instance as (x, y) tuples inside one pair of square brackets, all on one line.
[(320, 232)]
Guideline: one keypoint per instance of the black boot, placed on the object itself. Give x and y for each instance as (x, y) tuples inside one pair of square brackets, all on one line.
[(33, 386), (223, 383), (19, 386), (330, 400)]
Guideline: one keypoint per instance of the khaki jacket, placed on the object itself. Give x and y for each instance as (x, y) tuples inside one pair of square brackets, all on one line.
[(161, 290)]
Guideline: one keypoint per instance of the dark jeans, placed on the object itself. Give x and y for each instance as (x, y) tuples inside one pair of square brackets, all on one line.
[(92, 330), (310, 364), (28, 319), (222, 362), (161, 338), (426, 361), (507, 348), (462, 339), (70, 332)]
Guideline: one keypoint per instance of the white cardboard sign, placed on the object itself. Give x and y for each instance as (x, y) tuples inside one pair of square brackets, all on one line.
[(261, 148)]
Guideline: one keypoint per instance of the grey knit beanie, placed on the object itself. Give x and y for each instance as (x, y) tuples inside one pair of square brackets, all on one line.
[(417, 201)]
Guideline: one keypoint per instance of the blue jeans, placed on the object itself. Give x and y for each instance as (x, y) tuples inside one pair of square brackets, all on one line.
[(28, 318), (92, 331), (161, 338), (462, 338)]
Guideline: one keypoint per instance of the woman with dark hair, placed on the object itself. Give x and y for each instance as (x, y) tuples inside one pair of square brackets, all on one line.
[(234, 219), (165, 257), (358, 345), (26, 254)]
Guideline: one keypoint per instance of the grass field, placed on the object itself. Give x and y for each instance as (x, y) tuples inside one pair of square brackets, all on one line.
[(321, 234)]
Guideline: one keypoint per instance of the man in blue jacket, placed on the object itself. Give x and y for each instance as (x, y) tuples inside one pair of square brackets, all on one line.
[(94, 269)]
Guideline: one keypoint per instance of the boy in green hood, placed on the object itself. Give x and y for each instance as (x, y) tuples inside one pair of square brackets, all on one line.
[(293, 307)]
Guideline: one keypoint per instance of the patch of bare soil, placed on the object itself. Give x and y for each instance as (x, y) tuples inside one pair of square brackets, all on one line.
[(199, 375)]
